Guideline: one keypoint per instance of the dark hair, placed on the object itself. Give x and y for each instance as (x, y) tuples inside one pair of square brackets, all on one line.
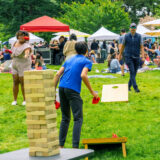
[(112, 57), (22, 33), (38, 52), (81, 47), (123, 30), (73, 37), (61, 37), (104, 45), (38, 56)]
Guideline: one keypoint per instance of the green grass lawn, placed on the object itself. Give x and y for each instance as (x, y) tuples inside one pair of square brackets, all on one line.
[(139, 119)]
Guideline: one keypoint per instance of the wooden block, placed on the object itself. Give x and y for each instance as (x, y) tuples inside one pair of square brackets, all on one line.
[(37, 126), (30, 135), (38, 131), (39, 154), (115, 93), (44, 126), (42, 117), (32, 154), (34, 95), (37, 135), (55, 152), (51, 116), (36, 113), (36, 86), (28, 77), (51, 125), (45, 140), (38, 149), (36, 121), (36, 104)]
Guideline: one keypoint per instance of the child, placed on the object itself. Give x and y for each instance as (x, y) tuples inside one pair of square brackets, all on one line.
[(38, 63), (113, 64), (73, 72)]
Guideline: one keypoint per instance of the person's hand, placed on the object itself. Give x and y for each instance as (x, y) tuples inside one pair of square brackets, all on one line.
[(143, 59), (26, 56), (94, 94)]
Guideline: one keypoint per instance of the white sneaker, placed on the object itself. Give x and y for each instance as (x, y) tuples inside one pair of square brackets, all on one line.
[(14, 103), (23, 103)]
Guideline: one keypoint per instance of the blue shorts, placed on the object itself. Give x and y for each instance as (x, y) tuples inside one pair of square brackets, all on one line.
[(121, 62)]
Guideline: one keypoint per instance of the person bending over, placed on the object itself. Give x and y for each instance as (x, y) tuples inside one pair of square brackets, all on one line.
[(73, 71)]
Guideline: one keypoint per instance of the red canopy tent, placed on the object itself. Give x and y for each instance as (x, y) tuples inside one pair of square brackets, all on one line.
[(45, 24)]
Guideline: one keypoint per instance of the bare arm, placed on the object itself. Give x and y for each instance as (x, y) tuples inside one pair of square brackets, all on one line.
[(57, 76), (27, 52), (87, 83), (142, 52), (121, 51)]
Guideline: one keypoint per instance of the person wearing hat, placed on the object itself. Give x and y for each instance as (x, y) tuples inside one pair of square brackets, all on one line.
[(133, 45)]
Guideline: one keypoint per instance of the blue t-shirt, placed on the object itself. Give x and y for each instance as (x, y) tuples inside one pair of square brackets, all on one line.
[(7, 56), (73, 67)]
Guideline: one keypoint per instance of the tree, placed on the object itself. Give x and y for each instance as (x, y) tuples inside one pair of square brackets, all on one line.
[(89, 17), (14, 13), (140, 8)]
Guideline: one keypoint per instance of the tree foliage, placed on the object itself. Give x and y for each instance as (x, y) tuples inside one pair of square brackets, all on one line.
[(141, 8), (89, 17), (14, 13)]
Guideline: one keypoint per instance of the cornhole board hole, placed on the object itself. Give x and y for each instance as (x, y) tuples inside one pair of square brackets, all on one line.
[(115, 93), (102, 141), (65, 154)]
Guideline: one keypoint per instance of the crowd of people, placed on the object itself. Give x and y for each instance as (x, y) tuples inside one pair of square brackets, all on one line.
[(78, 58)]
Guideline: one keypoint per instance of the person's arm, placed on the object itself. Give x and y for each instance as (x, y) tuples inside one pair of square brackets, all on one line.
[(86, 82), (57, 76), (27, 52), (121, 51), (142, 53)]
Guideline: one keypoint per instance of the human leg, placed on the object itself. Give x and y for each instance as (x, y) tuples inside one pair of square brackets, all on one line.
[(15, 87), (76, 105), (66, 116)]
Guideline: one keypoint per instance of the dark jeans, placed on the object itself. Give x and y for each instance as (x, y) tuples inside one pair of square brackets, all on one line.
[(69, 99), (133, 65), (59, 59)]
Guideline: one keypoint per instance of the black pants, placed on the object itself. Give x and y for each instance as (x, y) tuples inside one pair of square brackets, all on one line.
[(133, 65), (70, 99)]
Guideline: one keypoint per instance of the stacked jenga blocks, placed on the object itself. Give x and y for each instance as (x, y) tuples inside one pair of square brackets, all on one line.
[(41, 113)]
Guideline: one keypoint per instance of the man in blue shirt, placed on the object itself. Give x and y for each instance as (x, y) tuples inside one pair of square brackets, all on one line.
[(133, 45), (72, 73)]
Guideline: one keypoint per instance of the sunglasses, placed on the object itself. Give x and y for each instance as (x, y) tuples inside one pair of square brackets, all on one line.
[(133, 27)]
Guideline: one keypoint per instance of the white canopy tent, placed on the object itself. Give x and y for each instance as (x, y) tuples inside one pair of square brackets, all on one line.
[(142, 30), (80, 35), (152, 23), (103, 34), (76, 32), (33, 38), (154, 33), (78, 38)]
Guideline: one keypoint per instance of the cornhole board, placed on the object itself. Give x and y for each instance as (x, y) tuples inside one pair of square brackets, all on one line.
[(65, 154), (98, 141), (115, 93)]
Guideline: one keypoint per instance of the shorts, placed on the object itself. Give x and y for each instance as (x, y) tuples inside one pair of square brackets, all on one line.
[(121, 62), (18, 67)]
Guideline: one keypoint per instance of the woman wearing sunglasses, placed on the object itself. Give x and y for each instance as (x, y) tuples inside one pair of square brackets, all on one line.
[(21, 62)]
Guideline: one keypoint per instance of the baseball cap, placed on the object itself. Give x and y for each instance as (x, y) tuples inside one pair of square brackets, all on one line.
[(133, 25)]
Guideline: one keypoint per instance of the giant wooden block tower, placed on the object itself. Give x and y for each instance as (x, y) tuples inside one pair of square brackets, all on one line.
[(41, 113)]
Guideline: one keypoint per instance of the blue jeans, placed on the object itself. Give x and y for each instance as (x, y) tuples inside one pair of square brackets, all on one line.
[(70, 99), (133, 65)]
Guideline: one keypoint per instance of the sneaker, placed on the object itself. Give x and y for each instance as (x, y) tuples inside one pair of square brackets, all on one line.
[(14, 103), (23, 103), (137, 90)]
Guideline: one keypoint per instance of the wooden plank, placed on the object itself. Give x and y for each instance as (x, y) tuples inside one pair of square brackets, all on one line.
[(36, 113), (36, 122), (35, 95), (35, 77), (124, 149), (51, 116), (45, 140), (36, 104), (38, 131), (28, 86), (115, 93), (104, 140)]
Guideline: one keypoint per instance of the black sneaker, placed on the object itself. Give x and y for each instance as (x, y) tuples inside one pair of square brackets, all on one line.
[(137, 90)]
